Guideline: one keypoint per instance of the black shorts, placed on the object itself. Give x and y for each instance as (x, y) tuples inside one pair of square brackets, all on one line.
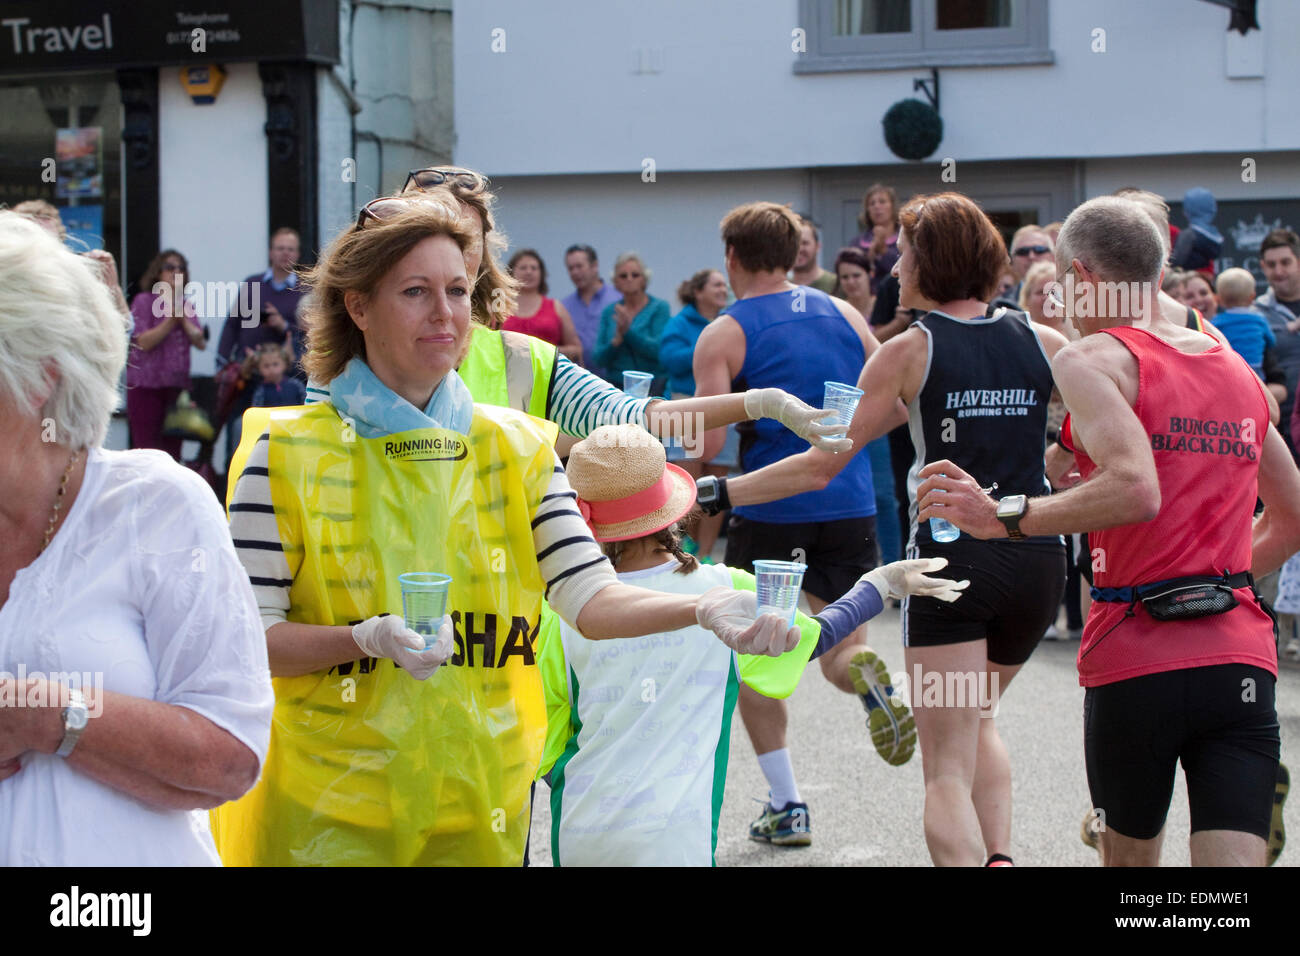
[(1220, 721), (837, 552), (1014, 594)]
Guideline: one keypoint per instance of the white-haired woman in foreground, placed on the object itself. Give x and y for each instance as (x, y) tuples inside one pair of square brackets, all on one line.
[(134, 686)]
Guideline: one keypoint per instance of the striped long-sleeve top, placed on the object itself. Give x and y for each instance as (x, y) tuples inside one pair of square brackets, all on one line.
[(571, 562)]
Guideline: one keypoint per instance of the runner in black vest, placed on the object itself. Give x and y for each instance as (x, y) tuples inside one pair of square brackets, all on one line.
[(996, 374)]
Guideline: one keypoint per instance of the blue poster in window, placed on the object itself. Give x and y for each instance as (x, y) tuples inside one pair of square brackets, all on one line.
[(78, 156), (85, 225)]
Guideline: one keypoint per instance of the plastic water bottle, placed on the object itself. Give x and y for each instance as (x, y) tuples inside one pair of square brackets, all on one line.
[(943, 531)]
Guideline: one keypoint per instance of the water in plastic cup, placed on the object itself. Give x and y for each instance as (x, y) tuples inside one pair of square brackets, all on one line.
[(843, 399), (943, 531), (637, 384), (778, 584), (424, 602)]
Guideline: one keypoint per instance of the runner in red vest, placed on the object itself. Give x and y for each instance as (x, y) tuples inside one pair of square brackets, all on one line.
[(1170, 431)]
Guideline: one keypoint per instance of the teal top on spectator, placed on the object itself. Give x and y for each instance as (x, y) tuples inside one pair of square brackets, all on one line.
[(677, 349), (640, 349)]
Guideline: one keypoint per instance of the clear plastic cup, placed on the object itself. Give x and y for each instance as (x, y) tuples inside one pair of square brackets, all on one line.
[(637, 384), (942, 530), (843, 400), (424, 602), (778, 584)]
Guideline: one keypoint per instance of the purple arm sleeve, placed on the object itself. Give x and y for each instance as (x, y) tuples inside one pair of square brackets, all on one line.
[(839, 620)]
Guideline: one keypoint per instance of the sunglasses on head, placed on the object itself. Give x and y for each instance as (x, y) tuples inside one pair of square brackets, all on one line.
[(1032, 250), (385, 207), (454, 176)]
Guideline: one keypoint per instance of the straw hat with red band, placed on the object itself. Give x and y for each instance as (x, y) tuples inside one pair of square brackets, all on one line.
[(626, 488)]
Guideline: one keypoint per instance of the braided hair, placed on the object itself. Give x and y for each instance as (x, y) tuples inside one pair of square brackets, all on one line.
[(666, 539)]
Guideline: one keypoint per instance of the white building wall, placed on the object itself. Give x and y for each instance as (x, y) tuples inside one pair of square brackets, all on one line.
[(672, 222), (400, 71), (337, 172), (564, 96), (1276, 175), (212, 183)]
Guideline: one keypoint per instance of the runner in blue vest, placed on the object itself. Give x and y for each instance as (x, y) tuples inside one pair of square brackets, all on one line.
[(796, 338)]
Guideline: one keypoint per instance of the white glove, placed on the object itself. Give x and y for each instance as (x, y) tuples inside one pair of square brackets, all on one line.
[(902, 578), (388, 636), (733, 616), (804, 420)]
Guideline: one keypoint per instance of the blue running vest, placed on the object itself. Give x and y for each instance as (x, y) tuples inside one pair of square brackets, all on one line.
[(799, 341)]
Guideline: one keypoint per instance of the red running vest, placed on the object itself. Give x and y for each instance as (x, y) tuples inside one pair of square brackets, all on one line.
[(1206, 416)]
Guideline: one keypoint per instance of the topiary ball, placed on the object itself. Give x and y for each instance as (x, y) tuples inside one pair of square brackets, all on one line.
[(913, 130)]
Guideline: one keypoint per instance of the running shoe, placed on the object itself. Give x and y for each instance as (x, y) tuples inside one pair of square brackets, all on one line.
[(790, 826), (1292, 651), (690, 545), (1277, 829), (1051, 634), (1090, 832), (889, 721)]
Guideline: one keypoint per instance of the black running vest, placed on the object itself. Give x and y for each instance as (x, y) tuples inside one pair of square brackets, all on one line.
[(982, 405)]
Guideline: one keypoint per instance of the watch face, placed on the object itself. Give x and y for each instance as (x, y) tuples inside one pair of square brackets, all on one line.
[(1012, 506), (77, 718)]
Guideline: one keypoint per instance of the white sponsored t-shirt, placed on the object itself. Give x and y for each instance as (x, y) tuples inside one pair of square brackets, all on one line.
[(140, 589), (644, 787)]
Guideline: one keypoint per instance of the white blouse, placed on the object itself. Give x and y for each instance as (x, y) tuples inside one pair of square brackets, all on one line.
[(140, 591)]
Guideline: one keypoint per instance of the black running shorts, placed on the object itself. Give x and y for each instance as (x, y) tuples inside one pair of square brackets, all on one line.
[(1219, 721), (837, 552), (1014, 594)]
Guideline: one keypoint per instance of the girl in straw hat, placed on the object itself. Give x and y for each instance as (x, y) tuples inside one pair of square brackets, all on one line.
[(637, 748)]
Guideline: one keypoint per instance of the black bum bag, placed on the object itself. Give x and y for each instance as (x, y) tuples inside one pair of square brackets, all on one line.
[(1185, 599)]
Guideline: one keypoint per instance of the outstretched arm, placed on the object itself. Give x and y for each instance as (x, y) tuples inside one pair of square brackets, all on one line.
[(1123, 490), (882, 380)]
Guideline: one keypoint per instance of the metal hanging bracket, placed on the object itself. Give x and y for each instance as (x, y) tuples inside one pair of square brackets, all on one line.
[(929, 87)]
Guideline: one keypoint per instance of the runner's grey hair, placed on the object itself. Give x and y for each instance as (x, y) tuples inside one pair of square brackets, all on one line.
[(1113, 237)]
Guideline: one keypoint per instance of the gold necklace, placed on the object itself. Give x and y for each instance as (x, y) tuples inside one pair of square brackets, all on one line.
[(58, 500)]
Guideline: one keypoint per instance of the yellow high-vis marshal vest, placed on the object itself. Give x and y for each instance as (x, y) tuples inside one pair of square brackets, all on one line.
[(367, 765), (508, 369)]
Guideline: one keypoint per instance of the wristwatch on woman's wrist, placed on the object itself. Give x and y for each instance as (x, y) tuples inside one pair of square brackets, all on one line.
[(75, 718), (711, 494)]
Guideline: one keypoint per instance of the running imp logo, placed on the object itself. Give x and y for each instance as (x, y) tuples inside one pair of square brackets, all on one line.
[(441, 448)]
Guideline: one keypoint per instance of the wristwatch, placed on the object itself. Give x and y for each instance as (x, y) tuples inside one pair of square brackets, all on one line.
[(1010, 510), (75, 718), (711, 494)]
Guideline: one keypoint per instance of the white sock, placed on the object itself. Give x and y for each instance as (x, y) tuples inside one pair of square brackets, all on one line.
[(780, 777)]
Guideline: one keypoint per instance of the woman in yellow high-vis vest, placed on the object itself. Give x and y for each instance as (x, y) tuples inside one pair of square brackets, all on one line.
[(400, 471)]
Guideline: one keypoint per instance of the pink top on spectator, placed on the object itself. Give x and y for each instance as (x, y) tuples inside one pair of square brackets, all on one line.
[(543, 324), (166, 365)]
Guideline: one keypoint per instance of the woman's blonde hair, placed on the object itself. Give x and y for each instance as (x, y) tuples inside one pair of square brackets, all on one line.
[(495, 290), (1037, 272), (357, 261)]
